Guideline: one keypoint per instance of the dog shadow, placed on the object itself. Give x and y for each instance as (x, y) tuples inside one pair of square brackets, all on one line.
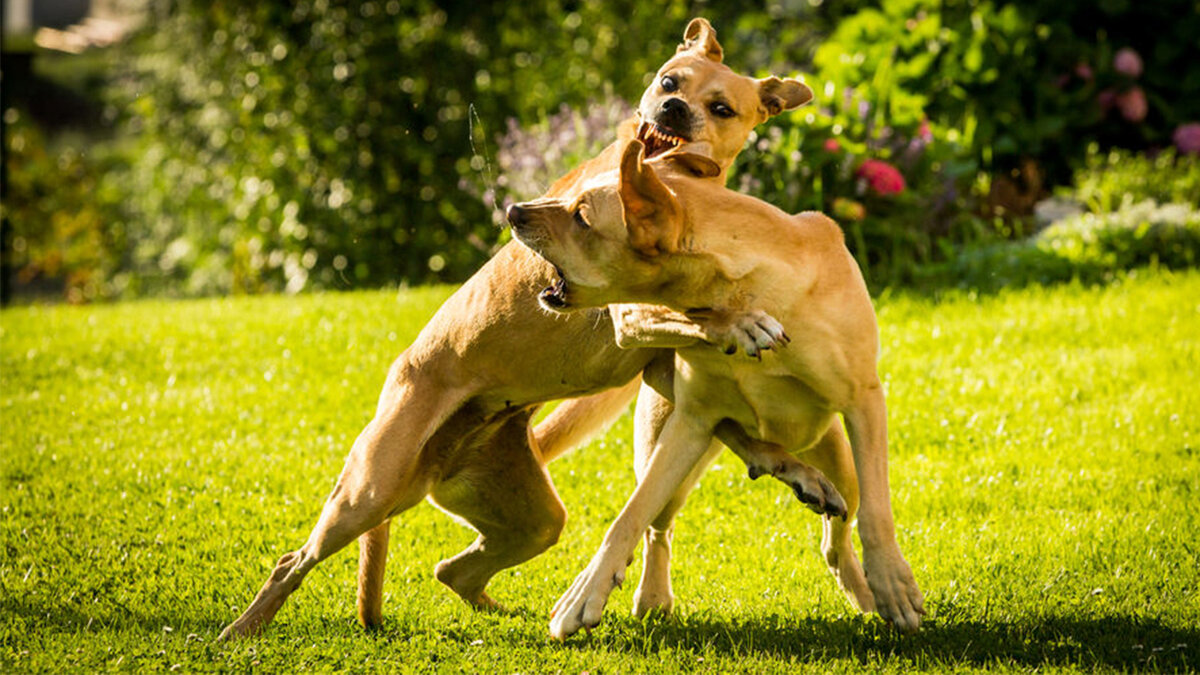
[(1125, 643), (1122, 642)]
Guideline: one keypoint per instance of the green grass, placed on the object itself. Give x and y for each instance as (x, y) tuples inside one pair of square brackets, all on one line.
[(157, 458)]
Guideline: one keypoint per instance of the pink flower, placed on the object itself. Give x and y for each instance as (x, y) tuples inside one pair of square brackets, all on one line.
[(831, 145), (1127, 62), (1132, 104), (1187, 138), (924, 132), (1083, 71), (883, 178), (1107, 99), (848, 209)]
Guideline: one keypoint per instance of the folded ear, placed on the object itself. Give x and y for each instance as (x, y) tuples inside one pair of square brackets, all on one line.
[(701, 37), (778, 95), (652, 214), (695, 164)]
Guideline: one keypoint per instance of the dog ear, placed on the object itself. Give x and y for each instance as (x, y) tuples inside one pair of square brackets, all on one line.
[(701, 37), (652, 214), (695, 164), (778, 95)]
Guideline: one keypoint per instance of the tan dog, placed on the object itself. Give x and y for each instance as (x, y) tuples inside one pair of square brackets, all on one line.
[(453, 420), (686, 243)]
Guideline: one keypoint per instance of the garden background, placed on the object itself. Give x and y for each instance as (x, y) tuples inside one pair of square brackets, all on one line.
[(184, 181), (274, 146)]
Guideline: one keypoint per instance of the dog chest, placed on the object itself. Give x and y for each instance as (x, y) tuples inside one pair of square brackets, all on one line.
[(769, 403)]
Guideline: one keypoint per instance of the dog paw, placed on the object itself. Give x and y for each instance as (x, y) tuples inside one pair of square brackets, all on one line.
[(751, 331), (583, 604), (809, 485), (897, 597), (646, 602)]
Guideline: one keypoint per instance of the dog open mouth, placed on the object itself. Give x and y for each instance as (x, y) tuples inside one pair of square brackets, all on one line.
[(658, 139), (554, 296)]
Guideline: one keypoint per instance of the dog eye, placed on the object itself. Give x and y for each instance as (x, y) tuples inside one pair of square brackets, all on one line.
[(669, 84), (721, 110), (580, 220)]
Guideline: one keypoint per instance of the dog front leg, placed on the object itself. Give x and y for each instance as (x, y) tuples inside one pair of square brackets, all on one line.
[(654, 589), (752, 331), (897, 597), (681, 445)]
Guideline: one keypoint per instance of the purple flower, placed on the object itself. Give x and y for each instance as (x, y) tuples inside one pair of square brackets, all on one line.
[(1187, 138)]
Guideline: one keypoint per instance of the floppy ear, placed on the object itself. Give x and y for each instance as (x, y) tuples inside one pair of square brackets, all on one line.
[(701, 37), (697, 165), (778, 95), (652, 214)]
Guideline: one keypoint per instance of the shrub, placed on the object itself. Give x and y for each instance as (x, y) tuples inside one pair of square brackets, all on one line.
[(1090, 247), (529, 159), (1036, 79), (1110, 180), (904, 193), (283, 146), (60, 206)]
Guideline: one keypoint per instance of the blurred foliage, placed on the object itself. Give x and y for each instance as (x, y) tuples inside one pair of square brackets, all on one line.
[(817, 159), (60, 207), (1035, 78), (530, 158), (1090, 248), (287, 146), (1116, 178)]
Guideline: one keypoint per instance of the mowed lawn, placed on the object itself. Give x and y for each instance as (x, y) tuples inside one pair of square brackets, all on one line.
[(158, 457)]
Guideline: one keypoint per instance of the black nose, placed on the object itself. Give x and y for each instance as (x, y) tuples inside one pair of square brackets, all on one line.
[(516, 215), (674, 111)]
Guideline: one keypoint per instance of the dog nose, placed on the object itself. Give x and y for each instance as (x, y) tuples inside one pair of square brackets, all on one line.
[(515, 215), (674, 110)]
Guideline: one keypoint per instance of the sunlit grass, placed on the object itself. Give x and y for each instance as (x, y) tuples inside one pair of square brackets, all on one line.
[(158, 457)]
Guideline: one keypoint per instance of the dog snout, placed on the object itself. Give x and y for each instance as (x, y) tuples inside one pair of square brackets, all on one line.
[(674, 112), (516, 215)]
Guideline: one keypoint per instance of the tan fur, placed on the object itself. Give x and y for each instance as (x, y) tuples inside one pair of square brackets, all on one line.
[(452, 422), (717, 248)]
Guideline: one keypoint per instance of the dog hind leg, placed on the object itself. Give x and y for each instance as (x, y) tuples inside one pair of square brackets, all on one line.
[(503, 491), (382, 476), (372, 558)]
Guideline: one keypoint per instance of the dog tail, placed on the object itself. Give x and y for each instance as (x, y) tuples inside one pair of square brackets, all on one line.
[(372, 559), (577, 420)]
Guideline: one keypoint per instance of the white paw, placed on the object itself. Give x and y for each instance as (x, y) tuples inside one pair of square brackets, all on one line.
[(583, 604), (647, 600), (751, 331), (897, 597)]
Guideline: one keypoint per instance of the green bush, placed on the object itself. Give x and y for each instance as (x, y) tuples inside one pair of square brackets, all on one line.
[(1090, 247), (287, 146), (1111, 180), (284, 146), (825, 158), (60, 205), (1025, 79)]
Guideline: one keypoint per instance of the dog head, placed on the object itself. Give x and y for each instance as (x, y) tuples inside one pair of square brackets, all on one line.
[(610, 242), (697, 103)]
